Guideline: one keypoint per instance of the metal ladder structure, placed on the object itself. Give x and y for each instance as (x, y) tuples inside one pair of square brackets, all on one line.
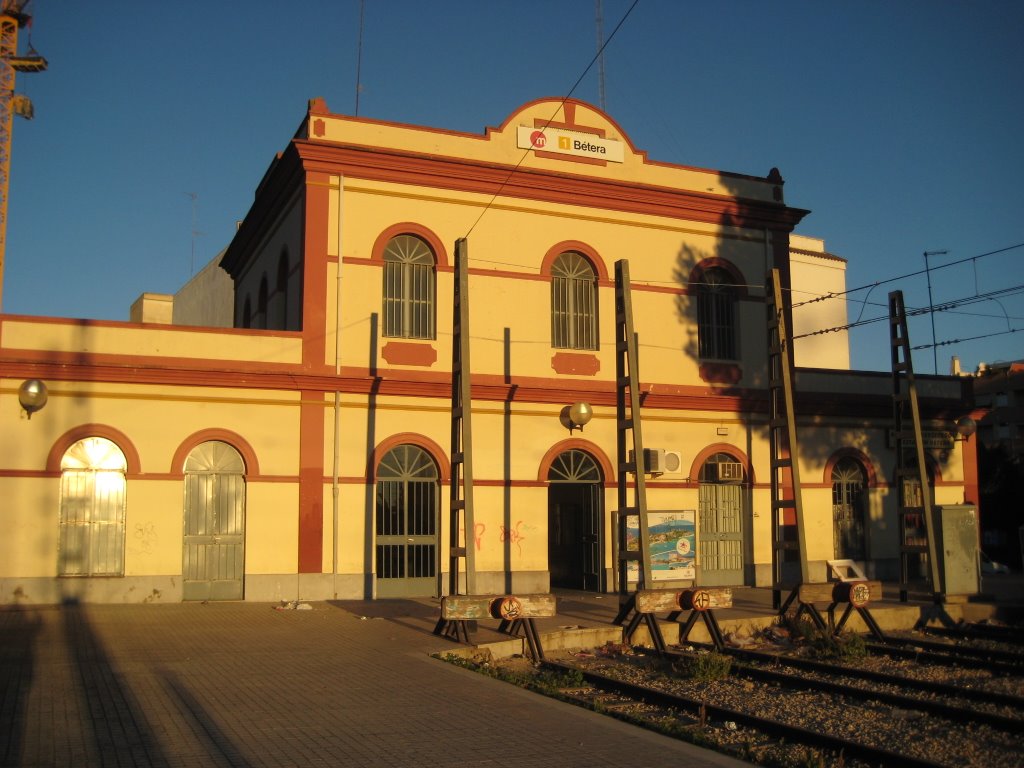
[(629, 434), (854, 594), (785, 470), (915, 505), (461, 610), (644, 604), (461, 520)]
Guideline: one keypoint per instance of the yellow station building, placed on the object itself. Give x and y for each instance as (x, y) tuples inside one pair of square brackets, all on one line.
[(281, 428)]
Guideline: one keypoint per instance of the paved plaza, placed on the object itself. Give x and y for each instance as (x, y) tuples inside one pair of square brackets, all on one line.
[(243, 684)]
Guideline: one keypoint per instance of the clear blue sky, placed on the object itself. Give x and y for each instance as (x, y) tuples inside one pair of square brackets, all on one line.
[(898, 124)]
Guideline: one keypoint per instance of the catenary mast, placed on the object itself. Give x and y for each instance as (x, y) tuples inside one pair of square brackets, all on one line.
[(12, 18)]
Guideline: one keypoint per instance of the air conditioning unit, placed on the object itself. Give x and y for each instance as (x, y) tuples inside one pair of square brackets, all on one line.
[(658, 461), (673, 464), (730, 470)]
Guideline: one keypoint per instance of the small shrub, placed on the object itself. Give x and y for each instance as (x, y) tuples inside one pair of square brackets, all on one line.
[(704, 667)]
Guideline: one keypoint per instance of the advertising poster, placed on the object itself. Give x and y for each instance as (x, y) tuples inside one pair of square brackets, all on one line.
[(672, 545)]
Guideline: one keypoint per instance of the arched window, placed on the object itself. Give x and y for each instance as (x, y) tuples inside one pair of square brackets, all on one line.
[(247, 313), (409, 288), (92, 509), (574, 466), (573, 303), (407, 523), (281, 289), (716, 315), (848, 509)]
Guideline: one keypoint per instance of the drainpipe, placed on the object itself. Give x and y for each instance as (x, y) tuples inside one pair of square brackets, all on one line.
[(335, 470)]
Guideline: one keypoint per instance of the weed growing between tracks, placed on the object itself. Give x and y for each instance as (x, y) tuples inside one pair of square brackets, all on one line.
[(823, 645)]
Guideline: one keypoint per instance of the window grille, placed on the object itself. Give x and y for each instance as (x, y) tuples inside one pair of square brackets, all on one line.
[(716, 316), (573, 303), (409, 288)]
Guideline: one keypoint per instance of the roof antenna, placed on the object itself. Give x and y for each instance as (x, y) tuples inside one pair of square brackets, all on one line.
[(600, 55), (359, 55), (931, 306), (195, 232)]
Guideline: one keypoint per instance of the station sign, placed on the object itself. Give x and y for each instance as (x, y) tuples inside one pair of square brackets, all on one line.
[(562, 142), (938, 440)]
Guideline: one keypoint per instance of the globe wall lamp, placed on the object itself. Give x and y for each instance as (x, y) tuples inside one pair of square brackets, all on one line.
[(576, 416), (32, 396), (965, 427)]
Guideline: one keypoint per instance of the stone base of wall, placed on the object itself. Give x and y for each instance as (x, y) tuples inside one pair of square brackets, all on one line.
[(50, 590)]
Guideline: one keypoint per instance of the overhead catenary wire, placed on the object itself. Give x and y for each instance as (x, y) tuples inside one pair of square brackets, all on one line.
[(871, 286), (526, 152), (687, 284), (917, 312)]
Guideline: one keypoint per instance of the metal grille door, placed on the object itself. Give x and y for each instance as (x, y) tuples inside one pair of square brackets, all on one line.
[(721, 534), (848, 510), (407, 524), (92, 509), (213, 565)]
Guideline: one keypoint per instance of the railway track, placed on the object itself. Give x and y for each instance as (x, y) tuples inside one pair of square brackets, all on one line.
[(972, 631), (999, 660), (955, 702), (755, 710)]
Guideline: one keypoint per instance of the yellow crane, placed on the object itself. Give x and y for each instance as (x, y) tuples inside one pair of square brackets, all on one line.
[(13, 17)]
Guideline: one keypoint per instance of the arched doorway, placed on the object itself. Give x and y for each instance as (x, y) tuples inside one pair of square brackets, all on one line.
[(407, 523), (849, 509), (92, 509), (575, 522), (722, 511), (213, 550)]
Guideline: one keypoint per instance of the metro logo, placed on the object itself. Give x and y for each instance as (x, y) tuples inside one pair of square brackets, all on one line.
[(560, 141)]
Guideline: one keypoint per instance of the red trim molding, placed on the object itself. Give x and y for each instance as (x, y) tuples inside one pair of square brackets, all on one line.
[(73, 435), (540, 185), (316, 201), (588, 252), (726, 448), (857, 455), (720, 373), (235, 440), (409, 353), (570, 124), (715, 262), (311, 486), (579, 444), (575, 364), (409, 438), (409, 228)]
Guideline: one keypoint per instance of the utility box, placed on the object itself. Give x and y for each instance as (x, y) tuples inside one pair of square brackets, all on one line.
[(956, 538)]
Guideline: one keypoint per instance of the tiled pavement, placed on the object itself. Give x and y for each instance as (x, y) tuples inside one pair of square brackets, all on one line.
[(242, 684)]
